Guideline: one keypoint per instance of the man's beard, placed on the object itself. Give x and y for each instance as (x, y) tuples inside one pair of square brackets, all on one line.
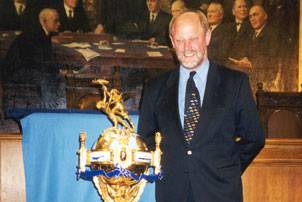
[(190, 59)]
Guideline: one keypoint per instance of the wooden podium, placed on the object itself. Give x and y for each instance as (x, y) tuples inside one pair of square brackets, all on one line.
[(274, 176)]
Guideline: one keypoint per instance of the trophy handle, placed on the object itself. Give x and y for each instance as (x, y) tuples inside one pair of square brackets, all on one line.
[(82, 152), (156, 157)]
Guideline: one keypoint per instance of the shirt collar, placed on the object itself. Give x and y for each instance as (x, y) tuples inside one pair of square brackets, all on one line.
[(17, 5), (67, 8), (201, 70), (155, 14), (45, 31), (257, 31)]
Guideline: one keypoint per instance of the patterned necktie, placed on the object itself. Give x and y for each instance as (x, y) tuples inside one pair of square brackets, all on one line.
[(192, 106)]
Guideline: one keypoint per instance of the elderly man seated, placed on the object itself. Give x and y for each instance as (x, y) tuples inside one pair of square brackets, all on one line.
[(31, 79)]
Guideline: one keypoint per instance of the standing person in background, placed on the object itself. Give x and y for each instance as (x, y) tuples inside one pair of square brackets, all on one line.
[(220, 41), (240, 31), (72, 17), (17, 15), (207, 118), (262, 55), (154, 24)]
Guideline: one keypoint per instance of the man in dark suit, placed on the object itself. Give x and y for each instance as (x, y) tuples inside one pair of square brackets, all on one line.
[(220, 41), (207, 118), (262, 56), (239, 30), (72, 17), (154, 24), (15, 15), (29, 62)]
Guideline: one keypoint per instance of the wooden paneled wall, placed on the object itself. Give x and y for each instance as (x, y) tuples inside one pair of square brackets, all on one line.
[(274, 176), (12, 180)]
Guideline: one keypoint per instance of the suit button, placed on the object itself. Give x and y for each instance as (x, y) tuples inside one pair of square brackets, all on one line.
[(189, 152)]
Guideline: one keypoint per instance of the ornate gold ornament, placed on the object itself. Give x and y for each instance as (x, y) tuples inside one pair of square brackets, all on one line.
[(120, 162)]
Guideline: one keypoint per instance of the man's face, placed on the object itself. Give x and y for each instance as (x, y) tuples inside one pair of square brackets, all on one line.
[(52, 22), (214, 14), (177, 7), (190, 40), (153, 5), (257, 16), (71, 3), (240, 10)]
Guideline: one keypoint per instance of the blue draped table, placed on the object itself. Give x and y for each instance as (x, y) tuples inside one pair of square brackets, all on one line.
[(50, 142)]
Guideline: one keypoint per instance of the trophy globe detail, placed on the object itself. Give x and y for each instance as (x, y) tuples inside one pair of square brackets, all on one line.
[(119, 164)]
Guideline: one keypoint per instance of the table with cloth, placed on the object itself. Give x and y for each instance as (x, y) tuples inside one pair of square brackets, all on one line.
[(50, 142)]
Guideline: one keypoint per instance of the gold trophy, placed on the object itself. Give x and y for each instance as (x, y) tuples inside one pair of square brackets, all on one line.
[(120, 163)]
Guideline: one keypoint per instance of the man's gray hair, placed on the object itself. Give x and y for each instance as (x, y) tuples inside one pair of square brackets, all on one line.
[(202, 18), (45, 13), (219, 7)]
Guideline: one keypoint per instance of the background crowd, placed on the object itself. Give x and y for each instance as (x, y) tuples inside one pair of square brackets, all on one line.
[(259, 37)]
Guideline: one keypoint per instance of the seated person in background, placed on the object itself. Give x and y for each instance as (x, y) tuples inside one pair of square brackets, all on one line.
[(220, 39), (177, 7), (29, 62), (154, 24), (261, 59), (15, 15), (72, 17), (240, 30)]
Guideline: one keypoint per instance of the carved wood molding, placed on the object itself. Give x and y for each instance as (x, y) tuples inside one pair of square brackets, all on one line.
[(280, 151)]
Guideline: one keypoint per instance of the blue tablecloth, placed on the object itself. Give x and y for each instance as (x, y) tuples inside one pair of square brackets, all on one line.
[(50, 142)]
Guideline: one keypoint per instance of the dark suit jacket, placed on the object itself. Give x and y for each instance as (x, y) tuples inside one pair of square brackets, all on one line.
[(264, 53), (119, 17), (10, 20), (29, 62), (158, 29), (29, 53), (239, 40), (217, 159), (219, 44), (78, 23)]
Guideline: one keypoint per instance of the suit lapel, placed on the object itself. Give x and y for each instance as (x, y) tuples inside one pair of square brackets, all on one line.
[(168, 103), (211, 106)]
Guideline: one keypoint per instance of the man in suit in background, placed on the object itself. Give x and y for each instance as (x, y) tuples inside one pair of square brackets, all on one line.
[(16, 15), (177, 7), (72, 17), (154, 24), (220, 41), (207, 118), (240, 31), (262, 57), (29, 62)]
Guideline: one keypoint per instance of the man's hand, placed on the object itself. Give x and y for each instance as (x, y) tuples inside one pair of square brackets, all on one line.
[(151, 40), (243, 63), (99, 29)]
